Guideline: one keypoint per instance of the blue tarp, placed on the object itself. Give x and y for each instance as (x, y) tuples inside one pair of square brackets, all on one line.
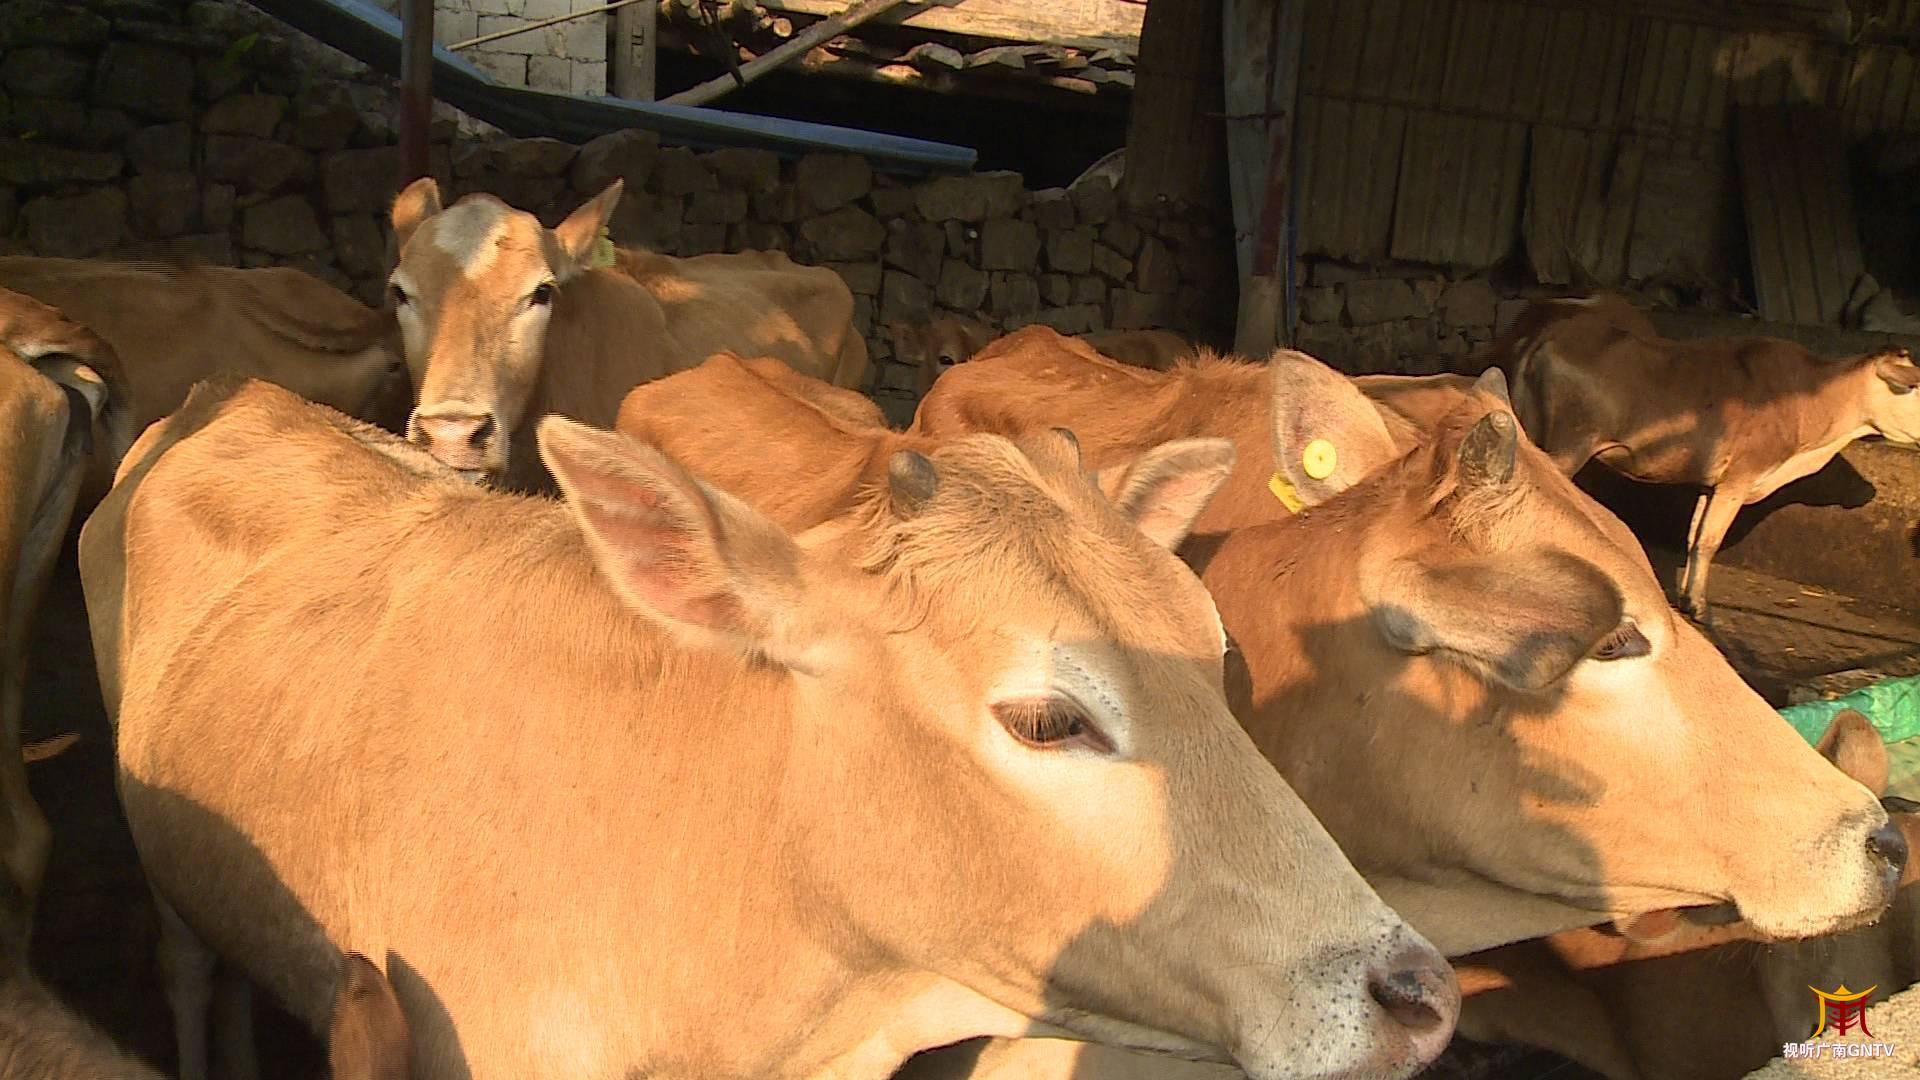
[(372, 36)]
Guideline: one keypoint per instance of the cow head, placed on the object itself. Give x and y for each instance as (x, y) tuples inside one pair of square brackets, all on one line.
[(1024, 797), (933, 347), (1516, 731), (474, 290), (1894, 409)]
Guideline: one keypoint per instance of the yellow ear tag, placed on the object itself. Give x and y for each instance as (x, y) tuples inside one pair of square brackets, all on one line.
[(602, 254), (1319, 459), (1282, 489)]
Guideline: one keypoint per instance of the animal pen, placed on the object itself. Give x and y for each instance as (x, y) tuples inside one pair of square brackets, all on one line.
[(1382, 184)]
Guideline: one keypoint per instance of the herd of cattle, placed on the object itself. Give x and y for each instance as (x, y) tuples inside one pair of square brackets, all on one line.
[(571, 638)]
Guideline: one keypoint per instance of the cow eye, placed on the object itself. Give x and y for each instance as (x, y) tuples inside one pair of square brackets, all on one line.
[(1625, 642), (1050, 723), (399, 295), (542, 294)]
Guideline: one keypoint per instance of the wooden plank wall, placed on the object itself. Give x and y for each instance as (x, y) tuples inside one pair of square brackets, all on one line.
[(1418, 120), (1799, 203)]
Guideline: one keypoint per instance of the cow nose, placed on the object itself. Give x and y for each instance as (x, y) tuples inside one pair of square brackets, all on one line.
[(1889, 845), (460, 440), (1417, 988)]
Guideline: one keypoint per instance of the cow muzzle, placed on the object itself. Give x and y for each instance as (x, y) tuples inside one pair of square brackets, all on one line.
[(460, 438)]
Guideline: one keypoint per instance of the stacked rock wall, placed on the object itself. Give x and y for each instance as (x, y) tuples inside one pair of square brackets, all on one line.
[(201, 129)]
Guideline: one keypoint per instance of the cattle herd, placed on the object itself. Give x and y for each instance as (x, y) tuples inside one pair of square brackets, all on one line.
[(564, 671)]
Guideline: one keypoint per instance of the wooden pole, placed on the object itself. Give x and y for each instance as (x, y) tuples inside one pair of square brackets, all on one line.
[(630, 51), (773, 58), (1262, 45), (416, 87)]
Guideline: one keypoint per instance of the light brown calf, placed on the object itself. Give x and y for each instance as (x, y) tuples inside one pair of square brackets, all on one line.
[(636, 783), (1740, 417), (506, 321), (58, 384), (777, 441), (938, 345), (1466, 666), (1035, 377), (172, 327)]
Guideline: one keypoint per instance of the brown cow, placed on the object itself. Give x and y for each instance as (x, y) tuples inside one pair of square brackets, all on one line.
[(58, 384), (1376, 738), (172, 327), (678, 414), (1583, 641), (959, 764), (1740, 417), (1687, 1008), (1686, 684), (505, 321)]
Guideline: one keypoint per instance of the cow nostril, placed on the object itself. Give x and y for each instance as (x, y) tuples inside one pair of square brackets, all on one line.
[(482, 433), (1888, 844), (1411, 995)]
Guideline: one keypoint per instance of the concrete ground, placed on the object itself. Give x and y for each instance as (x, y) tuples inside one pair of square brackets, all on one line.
[(95, 933)]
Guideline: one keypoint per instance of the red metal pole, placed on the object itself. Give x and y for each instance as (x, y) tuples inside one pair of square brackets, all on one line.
[(416, 87)]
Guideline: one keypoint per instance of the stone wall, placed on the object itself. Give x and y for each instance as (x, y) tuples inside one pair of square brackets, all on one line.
[(1409, 319), (201, 129), (1397, 319), (982, 247), (193, 129)]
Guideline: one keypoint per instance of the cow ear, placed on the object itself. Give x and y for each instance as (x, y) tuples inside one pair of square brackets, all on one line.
[(1898, 371), (1523, 619), (1164, 490), (700, 562), (416, 203), (368, 1039), (1856, 748), (1327, 435), (577, 235)]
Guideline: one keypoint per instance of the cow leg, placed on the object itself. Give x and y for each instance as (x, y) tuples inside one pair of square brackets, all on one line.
[(233, 1025), (27, 839), (1722, 507), (186, 970)]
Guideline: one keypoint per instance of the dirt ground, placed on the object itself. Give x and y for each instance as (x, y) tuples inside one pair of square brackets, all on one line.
[(95, 934)]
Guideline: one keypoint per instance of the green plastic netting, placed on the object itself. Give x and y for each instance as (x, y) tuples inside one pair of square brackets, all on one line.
[(1893, 706)]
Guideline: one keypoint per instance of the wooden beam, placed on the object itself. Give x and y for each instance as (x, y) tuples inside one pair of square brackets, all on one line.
[(416, 87), (800, 44), (1089, 24), (632, 51)]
